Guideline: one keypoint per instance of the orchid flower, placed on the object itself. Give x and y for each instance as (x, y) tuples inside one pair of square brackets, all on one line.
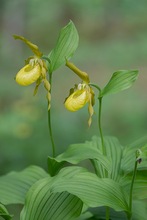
[(35, 69), (81, 94)]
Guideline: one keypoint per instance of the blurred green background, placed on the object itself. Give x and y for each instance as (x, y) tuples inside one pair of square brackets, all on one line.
[(113, 36)]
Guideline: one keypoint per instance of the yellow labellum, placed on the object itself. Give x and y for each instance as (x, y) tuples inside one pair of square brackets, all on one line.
[(28, 74), (77, 100)]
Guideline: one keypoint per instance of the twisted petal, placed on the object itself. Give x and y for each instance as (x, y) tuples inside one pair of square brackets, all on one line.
[(28, 74), (77, 100), (32, 46)]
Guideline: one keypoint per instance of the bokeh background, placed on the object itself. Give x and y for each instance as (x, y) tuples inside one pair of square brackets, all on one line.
[(113, 36)]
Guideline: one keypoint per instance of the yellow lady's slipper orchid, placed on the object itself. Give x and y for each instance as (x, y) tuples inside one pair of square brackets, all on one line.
[(81, 94), (79, 97), (34, 71)]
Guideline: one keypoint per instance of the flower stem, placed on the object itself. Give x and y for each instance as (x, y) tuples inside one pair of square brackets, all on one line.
[(100, 126), (131, 190), (107, 213), (104, 172), (49, 122), (50, 133)]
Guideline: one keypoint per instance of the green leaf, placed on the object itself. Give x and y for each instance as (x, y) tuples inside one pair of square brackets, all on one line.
[(4, 213), (129, 155), (93, 191), (65, 47), (119, 81), (14, 186), (114, 152), (54, 166), (52, 206), (140, 184), (83, 151), (139, 210)]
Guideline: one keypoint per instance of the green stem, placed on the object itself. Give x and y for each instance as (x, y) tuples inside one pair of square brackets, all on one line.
[(107, 213), (104, 172), (49, 123), (131, 189), (100, 126), (51, 134)]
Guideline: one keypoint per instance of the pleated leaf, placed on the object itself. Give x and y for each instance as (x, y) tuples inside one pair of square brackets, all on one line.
[(90, 189), (120, 80), (114, 152), (54, 166), (129, 155), (139, 210), (14, 185), (65, 47), (79, 152), (140, 184), (47, 205)]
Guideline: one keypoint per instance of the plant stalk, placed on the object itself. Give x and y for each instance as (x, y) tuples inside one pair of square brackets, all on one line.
[(107, 213), (100, 126), (49, 122), (131, 190)]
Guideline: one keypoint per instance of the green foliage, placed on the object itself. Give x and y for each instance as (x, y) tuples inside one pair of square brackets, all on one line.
[(4, 213), (14, 185), (117, 179), (119, 81), (66, 45), (45, 205)]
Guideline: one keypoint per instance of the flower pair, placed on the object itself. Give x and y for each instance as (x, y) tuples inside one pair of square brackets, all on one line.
[(35, 70)]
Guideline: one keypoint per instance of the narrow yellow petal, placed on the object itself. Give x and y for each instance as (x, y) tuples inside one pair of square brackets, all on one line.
[(28, 75), (32, 46), (83, 75)]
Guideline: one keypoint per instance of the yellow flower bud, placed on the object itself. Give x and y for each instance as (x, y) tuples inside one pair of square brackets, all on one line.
[(28, 74)]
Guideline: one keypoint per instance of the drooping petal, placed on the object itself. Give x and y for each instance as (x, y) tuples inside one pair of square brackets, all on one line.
[(28, 74), (32, 46), (77, 100)]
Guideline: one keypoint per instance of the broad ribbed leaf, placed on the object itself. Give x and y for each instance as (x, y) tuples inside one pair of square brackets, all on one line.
[(129, 155), (93, 191), (54, 166), (13, 186), (113, 155), (50, 206), (140, 184), (65, 47), (79, 152), (114, 152), (119, 81), (139, 210)]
